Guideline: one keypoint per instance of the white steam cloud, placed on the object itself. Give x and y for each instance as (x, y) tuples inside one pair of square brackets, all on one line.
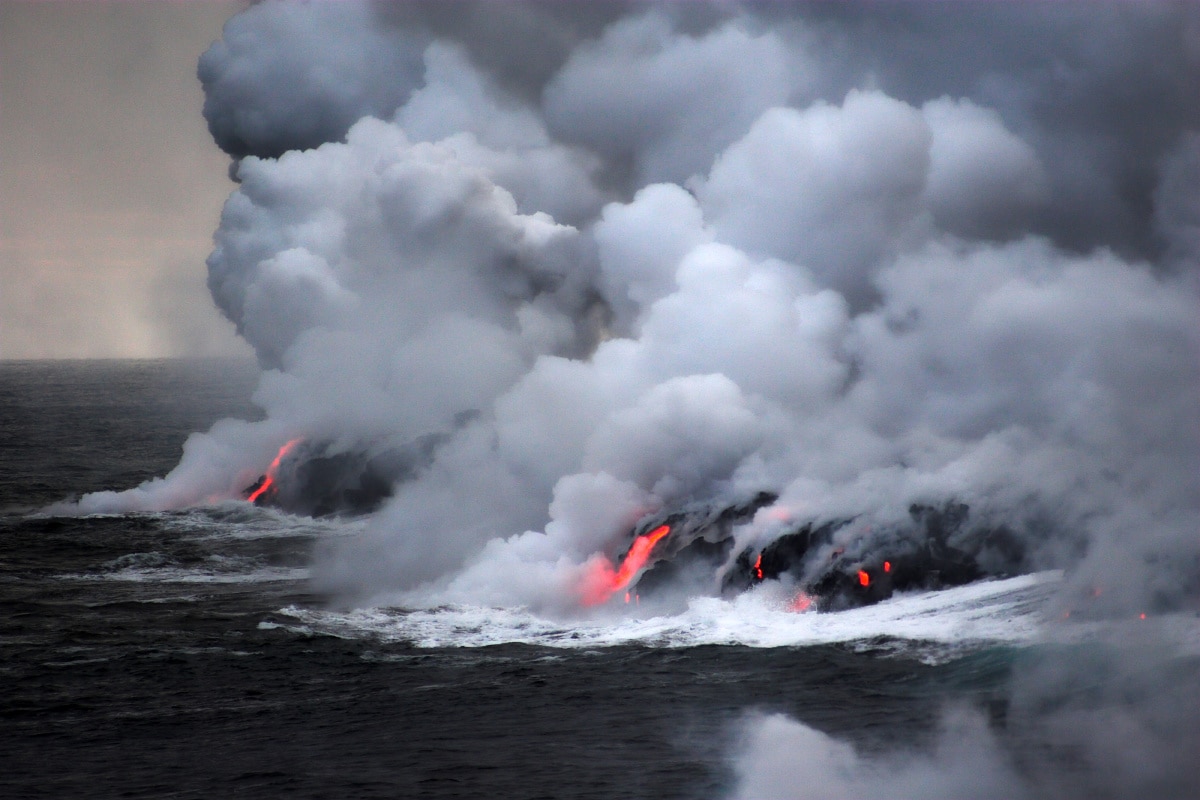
[(1105, 721), (787, 760), (653, 256)]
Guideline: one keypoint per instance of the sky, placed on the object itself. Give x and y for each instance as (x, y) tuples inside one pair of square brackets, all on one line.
[(110, 184)]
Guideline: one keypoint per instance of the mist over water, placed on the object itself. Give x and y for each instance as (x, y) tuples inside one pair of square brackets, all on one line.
[(552, 269)]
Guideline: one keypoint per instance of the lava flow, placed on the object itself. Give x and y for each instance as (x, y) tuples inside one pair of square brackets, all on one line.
[(800, 603), (603, 581), (269, 478)]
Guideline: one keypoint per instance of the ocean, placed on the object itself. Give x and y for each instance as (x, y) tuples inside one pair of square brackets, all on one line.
[(184, 654)]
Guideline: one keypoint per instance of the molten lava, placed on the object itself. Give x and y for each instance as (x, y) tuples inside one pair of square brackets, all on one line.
[(269, 479), (887, 566), (603, 581), (801, 602), (863, 578), (758, 567), (638, 555)]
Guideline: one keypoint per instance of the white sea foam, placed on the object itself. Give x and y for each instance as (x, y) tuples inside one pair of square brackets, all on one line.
[(236, 520), (991, 611)]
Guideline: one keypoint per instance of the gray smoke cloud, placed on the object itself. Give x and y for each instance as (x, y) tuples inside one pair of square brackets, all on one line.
[(593, 262), (290, 76)]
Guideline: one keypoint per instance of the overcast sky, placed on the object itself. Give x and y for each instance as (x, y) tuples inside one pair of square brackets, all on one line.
[(110, 184)]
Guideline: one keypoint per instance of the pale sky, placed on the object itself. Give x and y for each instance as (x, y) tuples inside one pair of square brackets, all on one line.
[(110, 185)]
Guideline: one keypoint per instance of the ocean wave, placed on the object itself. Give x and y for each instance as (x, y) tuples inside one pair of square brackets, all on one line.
[(1006, 610), (158, 567), (242, 521)]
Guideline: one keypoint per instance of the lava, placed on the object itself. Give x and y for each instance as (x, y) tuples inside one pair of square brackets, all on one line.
[(863, 578), (758, 567), (638, 554), (800, 603), (269, 478), (603, 581)]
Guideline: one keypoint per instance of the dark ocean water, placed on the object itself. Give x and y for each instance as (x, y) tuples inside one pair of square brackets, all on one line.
[(155, 655)]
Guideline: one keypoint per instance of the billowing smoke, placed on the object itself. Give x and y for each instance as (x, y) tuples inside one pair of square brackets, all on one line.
[(523, 276)]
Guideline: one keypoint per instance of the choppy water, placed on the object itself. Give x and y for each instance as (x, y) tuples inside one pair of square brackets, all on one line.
[(183, 654)]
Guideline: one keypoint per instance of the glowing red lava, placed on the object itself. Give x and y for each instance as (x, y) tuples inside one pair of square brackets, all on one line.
[(887, 566), (603, 581), (758, 567), (801, 602), (863, 578), (269, 479)]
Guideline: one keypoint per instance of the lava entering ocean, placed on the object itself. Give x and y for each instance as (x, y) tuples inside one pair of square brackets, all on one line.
[(323, 478), (603, 581), (831, 566), (267, 482)]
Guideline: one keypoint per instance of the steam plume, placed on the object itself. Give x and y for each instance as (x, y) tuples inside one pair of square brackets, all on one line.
[(691, 253)]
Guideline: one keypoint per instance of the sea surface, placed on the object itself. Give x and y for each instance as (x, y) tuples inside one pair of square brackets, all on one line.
[(184, 655)]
